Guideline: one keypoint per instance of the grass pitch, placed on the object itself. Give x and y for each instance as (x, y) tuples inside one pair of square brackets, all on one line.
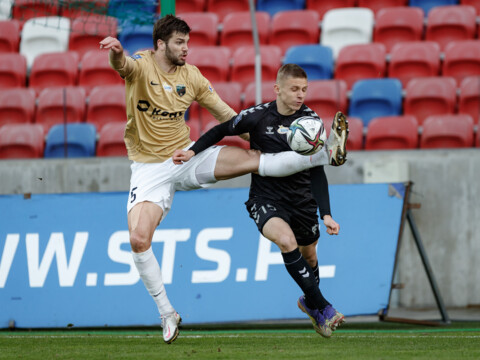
[(352, 341)]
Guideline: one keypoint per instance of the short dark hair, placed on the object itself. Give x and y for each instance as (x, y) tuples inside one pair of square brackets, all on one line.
[(165, 27), (291, 70)]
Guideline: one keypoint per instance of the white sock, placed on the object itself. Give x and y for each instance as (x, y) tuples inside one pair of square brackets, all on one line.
[(149, 270), (289, 162)]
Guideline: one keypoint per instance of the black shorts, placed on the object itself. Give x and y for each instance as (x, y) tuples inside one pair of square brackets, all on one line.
[(304, 222)]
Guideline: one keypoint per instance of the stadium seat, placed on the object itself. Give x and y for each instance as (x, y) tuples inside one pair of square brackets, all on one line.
[(58, 105), (474, 3), (88, 31), (133, 12), (24, 10), (6, 9), (430, 96), (54, 69), (377, 5), (17, 106), (398, 24), (21, 141), (195, 126), (447, 131), (295, 27), (237, 29), (365, 61), (355, 135), (426, 5), (451, 23), (375, 97), (224, 7), (326, 97), (392, 133), (13, 70), (80, 141), (228, 140), (230, 93), (243, 66), (204, 27), (111, 140), (95, 70), (74, 8), (275, 6), (186, 6), (212, 61), (322, 6), (136, 38), (268, 94), (349, 26), (462, 59), (469, 98), (106, 104), (9, 35), (414, 59), (44, 35), (316, 60)]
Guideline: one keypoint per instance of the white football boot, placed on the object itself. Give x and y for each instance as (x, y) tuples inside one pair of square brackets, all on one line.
[(337, 140), (170, 327)]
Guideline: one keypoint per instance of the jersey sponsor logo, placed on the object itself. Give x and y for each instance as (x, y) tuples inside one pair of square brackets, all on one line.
[(167, 87), (154, 83), (144, 106), (181, 89), (282, 130), (136, 56), (210, 88)]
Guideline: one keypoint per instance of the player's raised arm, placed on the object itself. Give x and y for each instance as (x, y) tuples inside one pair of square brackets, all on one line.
[(116, 54)]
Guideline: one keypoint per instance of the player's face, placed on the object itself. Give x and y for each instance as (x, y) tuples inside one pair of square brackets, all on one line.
[(176, 49), (291, 94)]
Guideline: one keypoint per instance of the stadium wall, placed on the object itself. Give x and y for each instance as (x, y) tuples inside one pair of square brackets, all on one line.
[(446, 184)]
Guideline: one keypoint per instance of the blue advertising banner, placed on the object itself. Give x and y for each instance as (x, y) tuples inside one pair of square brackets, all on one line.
[(65, 259)]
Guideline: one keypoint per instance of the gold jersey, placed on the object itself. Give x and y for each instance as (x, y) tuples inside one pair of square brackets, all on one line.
[(156, 103)]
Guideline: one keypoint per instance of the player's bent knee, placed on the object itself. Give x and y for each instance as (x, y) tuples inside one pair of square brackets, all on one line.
[(139, 242)]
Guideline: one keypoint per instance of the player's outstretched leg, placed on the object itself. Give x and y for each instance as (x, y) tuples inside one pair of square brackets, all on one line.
[(170, 327), (316, 317), (333, 318), (337, 140)]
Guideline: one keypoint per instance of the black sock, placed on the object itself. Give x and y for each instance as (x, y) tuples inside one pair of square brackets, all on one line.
[(316, 273), (302, 273)]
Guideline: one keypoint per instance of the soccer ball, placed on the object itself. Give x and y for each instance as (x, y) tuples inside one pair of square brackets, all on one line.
[(306, 135)]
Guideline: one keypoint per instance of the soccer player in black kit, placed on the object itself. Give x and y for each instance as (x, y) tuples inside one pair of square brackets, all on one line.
[(285, 209)]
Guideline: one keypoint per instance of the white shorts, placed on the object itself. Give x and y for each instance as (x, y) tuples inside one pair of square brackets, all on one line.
[(158, 182)]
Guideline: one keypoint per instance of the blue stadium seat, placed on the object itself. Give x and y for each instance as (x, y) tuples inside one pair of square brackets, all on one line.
[(81, 141), (316, 60), (274, 6), (136, 37), (426, 5), (139, 12), (376, 97)]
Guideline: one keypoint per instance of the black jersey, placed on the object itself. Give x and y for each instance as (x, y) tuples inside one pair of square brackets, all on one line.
[(268, 133)]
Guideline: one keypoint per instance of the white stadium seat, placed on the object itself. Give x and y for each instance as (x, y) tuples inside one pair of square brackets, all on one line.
[(5, 9), (346, 26), (44, 35)]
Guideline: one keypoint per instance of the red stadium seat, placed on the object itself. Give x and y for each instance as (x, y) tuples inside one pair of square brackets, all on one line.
[(355, 136), (54, 69), (392, 133), (74, 8), (212, 61), (462, 59), (469, 99), (451, 23), (9, 36), (447, 131), (88, 31), (52, 109), (17, 106), (237, 29), (184, 6), (224, 7), (204, 27), (13, 70), (430, 96), (398, 24), (326, 97), (243, 67), (231, 94), (28, 9), (477, 139), (365, 61), (195, 126), (95, 70), (21, 141), (322, 6), (414, 59), (111, 140), (228, 140), (268, 94), (294, 27), (474, 3), (377, 5), (106, 104)]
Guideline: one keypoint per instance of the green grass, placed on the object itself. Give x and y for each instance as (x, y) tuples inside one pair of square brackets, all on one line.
[(353, 341)]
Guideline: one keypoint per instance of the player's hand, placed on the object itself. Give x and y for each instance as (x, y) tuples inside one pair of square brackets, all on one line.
[(112, 44), (332, 227), (181, 156)]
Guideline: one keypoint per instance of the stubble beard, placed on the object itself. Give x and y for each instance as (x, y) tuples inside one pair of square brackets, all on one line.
[(175, 61)]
